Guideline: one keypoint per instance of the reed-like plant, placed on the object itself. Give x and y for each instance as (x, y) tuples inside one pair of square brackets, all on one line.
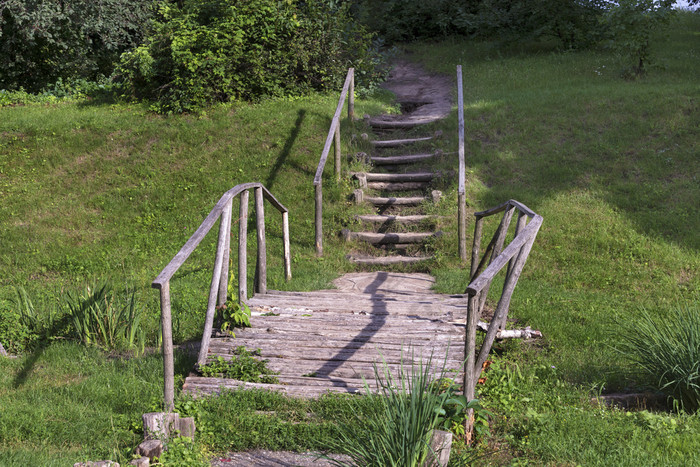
[(666, 351), (399, 431), (102, 317)]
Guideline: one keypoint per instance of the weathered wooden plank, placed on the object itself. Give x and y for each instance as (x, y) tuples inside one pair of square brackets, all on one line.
[(398, 344), (392, 143), (385, 238), (407, 159), (397, 186), (377, 219), (402, 201), (404, 177)]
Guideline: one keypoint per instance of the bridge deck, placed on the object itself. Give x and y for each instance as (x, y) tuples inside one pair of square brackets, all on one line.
[(330, 340)]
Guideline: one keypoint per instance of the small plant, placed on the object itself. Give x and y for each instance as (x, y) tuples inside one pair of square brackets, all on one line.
[(453, 410), (102, 317), (399, 431), (182, 452), (233, 315), (666, 351), (243, 366)]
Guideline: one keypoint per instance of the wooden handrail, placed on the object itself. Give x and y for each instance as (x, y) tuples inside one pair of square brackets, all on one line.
[(494, 259), (332, 138), (218, 288)]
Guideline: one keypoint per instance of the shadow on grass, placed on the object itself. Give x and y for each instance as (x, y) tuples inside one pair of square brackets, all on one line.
[(284, 153), (58, 328)]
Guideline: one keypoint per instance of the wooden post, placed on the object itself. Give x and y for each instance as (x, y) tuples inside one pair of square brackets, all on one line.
[(476, 247), (224, 220), (223, 282), (462, 220), (287, 250), (469, 383), (168, 362), (243, 248), (351, 95), (261, 285), (318, 194), (461, 191), (336, 145)]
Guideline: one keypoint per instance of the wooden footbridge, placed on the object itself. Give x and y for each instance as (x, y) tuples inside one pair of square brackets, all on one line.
[(331, 340)]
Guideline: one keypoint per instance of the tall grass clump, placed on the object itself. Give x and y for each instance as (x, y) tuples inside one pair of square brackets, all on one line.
[(667, 352), (398, 430), (103, 317)]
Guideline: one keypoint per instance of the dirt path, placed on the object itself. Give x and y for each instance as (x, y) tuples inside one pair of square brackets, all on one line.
[(413, 84)]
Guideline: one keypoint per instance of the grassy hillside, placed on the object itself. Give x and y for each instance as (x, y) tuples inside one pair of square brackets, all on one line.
[(92, 190)]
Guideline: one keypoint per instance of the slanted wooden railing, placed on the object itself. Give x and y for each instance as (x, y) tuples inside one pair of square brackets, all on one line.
[(332, 138), (483, 270), (461, 191), (219, 281)]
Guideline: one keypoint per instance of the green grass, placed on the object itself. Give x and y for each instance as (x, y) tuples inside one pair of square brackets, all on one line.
[(93, 190)]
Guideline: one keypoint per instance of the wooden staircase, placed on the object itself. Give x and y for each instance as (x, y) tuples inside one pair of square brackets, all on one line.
[(395, 191)]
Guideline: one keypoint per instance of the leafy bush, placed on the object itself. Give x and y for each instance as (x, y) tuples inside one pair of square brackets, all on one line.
[(666, 351), (631, 24), (104, 318), (206, 51), (574, 22), (43, 40)]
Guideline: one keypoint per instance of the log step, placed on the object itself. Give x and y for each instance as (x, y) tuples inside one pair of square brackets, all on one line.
[(393, 143), (405, 177), (400, 186), (407, 159), (404, 122), (388, 238), (387, 260), (377, 219)]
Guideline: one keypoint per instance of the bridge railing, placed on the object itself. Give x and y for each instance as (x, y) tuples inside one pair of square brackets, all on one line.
[(482, 273), (219, 281), (334, 139)]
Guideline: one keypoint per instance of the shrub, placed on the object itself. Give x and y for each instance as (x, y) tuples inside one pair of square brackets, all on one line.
[(207, 51), (43, 40), (104, 318), (574, 22), (631, 24), (666, 351)]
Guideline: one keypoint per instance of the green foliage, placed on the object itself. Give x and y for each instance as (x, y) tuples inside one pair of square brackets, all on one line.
[(182, 452), (15, 335), (243, 366), (666, 351), (102, 317), (573, 22), (631, 25), (200, 52), (398, 431), (453, 412), (44, 40)]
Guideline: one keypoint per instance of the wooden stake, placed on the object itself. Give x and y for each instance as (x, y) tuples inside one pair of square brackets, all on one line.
[(168, 362), (261, 285), (243, 248)]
